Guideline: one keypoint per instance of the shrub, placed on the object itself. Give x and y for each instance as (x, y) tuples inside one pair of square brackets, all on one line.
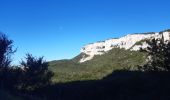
[(6, 50), (35, 73), (158, 56)]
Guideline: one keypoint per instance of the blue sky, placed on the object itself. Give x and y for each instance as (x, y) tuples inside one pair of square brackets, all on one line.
[(57, 29)]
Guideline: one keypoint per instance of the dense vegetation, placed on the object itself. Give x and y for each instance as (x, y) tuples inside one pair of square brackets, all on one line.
[(158, 55), (117, 75), (30, 75), (97, 68)]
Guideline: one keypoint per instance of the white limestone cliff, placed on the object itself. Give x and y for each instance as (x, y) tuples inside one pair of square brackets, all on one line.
[(126, 42)]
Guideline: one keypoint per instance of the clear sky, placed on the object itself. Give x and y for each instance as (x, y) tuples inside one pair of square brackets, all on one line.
[(57, 29)]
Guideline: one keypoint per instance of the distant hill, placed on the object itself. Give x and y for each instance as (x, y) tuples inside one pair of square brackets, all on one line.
[(99, 59), (97, 68)]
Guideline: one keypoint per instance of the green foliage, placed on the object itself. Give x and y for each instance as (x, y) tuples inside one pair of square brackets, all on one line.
[(141, 42), (35, 73), (158, 56), (120, 85), (97, 68), (77, 58)]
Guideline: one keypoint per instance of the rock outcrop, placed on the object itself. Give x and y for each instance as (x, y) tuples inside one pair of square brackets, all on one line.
[(132, 42)]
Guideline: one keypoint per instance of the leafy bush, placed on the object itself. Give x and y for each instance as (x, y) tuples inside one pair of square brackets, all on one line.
[(158, 56), (6, 51), (35, 73)]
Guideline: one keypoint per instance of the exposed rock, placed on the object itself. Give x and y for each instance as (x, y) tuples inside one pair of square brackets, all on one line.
[(126, 42)]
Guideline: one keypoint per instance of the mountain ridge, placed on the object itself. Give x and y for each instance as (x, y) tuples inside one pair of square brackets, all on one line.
[(126, 42)]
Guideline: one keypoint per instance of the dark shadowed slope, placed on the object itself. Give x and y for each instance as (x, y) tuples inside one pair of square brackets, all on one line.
[(119, 85)]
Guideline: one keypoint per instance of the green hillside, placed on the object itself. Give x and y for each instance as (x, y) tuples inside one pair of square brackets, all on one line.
[(98, 67)]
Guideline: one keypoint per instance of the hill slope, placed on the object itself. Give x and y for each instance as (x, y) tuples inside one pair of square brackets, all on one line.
[(99, 59), (97, 68)]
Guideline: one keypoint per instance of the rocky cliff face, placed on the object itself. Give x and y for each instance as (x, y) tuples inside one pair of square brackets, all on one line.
[(131, 41)]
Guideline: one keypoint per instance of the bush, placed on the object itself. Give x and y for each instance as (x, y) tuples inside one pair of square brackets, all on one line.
[(35, 73), (158, 56), (6, 50)]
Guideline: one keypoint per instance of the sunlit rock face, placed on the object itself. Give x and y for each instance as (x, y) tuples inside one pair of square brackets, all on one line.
[(126, 42)]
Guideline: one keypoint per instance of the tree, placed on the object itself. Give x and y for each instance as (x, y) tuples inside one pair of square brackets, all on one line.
[(158, 55), (36, 73), (6, 50)]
